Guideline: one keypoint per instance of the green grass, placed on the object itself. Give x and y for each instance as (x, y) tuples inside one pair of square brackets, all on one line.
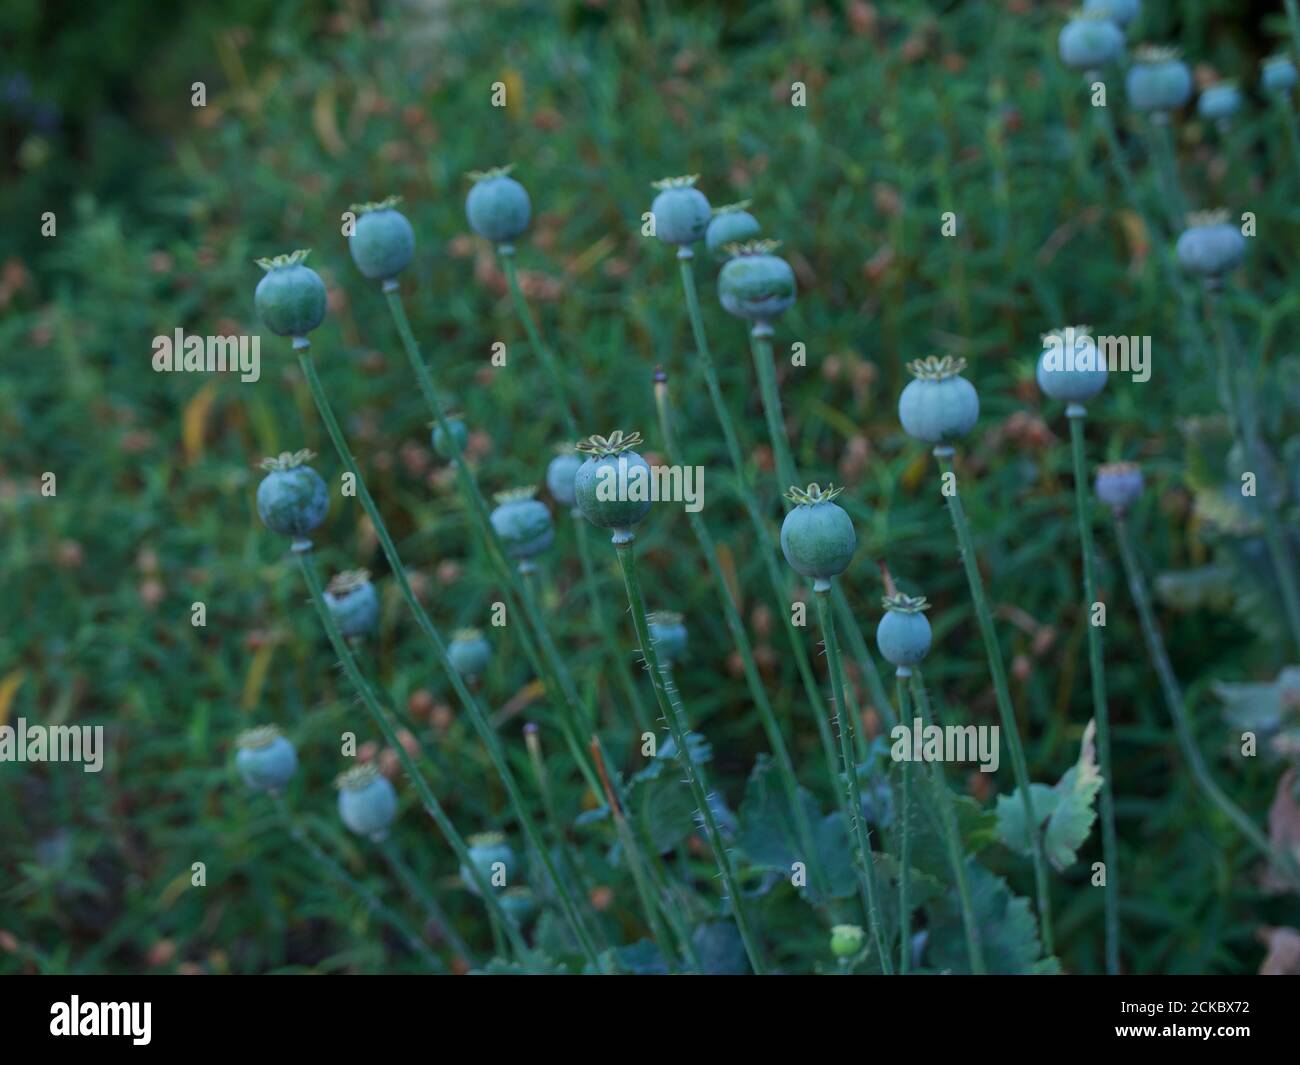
[(162, 207)]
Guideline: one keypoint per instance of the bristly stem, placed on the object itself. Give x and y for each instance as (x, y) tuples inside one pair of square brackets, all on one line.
[(1174, 702), (947, 817), (744, 489), (437, 916), (478, 718), (695, 775), (540, 347), (753, 679), (857, 827), (997, 671), (371, 702), (905, 846), (513, 585), (372, 901), (649, 905), (1100, 705)]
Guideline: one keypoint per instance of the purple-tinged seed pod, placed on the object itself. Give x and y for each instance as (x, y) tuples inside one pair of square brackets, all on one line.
[(1210, 246), (1118, 485)]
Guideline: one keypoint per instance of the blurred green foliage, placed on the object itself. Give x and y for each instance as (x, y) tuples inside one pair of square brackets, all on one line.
[(912, 110)]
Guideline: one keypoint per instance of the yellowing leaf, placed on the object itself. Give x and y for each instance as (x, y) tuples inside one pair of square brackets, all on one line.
[(195, 419), (514, 84), (256, 676), (8, 688), (325, 121)]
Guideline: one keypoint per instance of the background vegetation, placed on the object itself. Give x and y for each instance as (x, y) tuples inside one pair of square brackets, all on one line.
[(913, 109)]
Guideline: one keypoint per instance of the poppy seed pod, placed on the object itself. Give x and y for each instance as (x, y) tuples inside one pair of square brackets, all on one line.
[(1210, 246), (292, 499), (523, 523), (493, 858), (669, 636), (1219, 102), (681, 212), (755, 284), (290, 298), (1070, 367), (731, 224), (453, 441), (817, 536), (520, 904), (469, 652), (497, 206), (1277, 75), (903, 634), (1089, 41), (847, 940), (382, 241), (353, 602), (265, 759), (1121, 12), (560, 474), (939, 405), (612, 487), (1118, 485), (1158, 81), (367, 801)]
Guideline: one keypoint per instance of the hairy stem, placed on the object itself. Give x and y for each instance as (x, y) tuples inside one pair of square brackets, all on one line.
[(943, 807), (694, 773), (905, 846), (857, 826), (1100, 707), (1007, 713)]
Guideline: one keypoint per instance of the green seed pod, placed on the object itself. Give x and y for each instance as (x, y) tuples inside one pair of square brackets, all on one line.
[(1158, 80), (817, 536), (939, 405), (1210, 246), (523, 523), (681, 211), (731, 224), (903, 634), (292, 499), (353, 602), (367, 801), (1071, 368), (453, 441), (469, 652), (520, 904), (608, 485), (669, 636), (846, 940), (755, 284), (494, 860), (290, 298), (265, 759), (497, 206), (560, 475), (382, 241)]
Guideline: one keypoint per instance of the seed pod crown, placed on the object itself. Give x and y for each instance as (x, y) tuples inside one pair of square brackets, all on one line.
[(277, 262), (287, 460), (812, 495), (616, 443), (936, 368)]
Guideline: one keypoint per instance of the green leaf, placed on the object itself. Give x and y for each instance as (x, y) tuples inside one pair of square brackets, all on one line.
[(1065, 812), (1008, 931)]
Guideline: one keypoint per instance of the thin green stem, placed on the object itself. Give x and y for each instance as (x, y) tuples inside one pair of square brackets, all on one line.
[(372, 901), (776, 577), (997, 671), (1182, 725), (1100, 707), (437, 915), (905, 845), (695, 775), (753, 679), (513, 585), (478, 718), (371, 702), (857, 826), (506, 256), (760, 344), (942, 805)]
